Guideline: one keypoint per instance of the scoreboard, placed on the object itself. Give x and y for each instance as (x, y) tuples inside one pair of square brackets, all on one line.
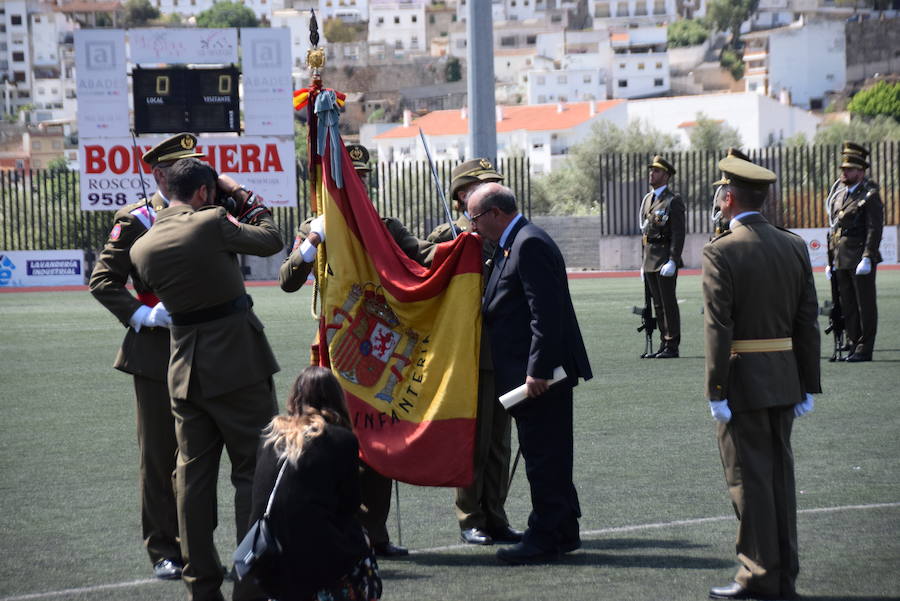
[(175, 99)]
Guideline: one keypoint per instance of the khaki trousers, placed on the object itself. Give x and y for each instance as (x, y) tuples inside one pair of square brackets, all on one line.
[(158, 448), (755, 447), (203, 427), (480, 505)]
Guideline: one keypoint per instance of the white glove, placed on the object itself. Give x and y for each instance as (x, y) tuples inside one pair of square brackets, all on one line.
[(317, 225), (828, 272), (139, 317), (804, 407), (668, 270), (864, 267), (720, 411), (159, 317)]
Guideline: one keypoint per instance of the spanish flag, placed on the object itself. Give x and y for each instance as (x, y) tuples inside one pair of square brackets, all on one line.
[(402, 339)]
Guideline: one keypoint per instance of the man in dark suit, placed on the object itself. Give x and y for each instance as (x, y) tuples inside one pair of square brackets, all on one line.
[(663, 229), (856, 216), (145, 355), (762, 367), (220, 371), (531, 322), (375, 488)]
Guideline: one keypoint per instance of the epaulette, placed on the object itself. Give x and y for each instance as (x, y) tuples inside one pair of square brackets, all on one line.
[(784, 229), (207, 207), (719, 237)]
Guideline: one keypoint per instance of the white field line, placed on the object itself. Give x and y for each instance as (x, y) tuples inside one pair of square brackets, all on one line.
[(584, 534)]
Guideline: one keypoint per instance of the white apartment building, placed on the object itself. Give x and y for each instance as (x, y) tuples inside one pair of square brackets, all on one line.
[(508, 35), (616, 12), (350, 11), (297, 22), (805, 60), (640, 64), (760, 121), (565, 85), (399, 25), (543, 132)]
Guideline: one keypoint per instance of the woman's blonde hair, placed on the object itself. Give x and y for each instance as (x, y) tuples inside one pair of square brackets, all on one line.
[(316, 399)]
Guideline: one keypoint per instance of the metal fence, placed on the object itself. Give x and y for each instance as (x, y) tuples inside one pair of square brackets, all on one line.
[(40, 210), (805, 175)]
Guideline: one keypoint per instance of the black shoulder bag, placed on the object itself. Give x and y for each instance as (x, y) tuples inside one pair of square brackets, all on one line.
[(260, 547)]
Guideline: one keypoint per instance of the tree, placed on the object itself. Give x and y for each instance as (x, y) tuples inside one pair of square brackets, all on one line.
[(301, 133), (452, 70), (139, 13), (337, 31), (876, 129), (57, 165), (881, 99), (713, 135), (687, 32), (572, 189), (227, 14), (729, 15)]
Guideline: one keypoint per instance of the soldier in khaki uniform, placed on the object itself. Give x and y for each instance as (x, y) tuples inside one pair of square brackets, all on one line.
[(145, 354), (375, 488), (663, 228), (220, 372), (856, 216), (480, 506), (762, 367)]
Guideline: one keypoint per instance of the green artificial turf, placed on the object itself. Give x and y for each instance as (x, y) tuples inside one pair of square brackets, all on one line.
[(656, 522)]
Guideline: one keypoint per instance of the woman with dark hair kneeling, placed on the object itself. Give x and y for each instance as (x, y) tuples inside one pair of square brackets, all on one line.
[(325, 554)]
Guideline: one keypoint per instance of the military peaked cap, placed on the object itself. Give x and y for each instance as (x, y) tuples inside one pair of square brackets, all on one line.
[(180, 146), (853, 148), (660, 163), (475, 170), (360, 157), (851, 160), (744, 174)]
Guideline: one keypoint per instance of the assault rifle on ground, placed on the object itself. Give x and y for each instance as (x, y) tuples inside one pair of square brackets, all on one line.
[(648, 322), (835, 315)]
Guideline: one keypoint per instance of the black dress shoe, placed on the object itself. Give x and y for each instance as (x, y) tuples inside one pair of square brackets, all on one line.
[(167, 569), (522, 554), (666, 353), (858, 357), (736, 591), (567, 546), (505, 534), (476, 536), (389, 549)]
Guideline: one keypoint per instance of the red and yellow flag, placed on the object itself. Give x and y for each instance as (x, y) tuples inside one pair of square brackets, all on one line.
[(402, 339)]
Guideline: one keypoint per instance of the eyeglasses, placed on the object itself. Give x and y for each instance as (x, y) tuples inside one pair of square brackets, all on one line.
[(473, 219)]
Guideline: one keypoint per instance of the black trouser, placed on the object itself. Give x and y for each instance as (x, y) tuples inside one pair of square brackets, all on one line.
[(375, 491), (859, 307), (665, 305), (544, 425)]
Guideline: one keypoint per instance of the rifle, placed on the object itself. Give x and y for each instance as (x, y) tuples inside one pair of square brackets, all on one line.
[(835, 321), (648, 322)]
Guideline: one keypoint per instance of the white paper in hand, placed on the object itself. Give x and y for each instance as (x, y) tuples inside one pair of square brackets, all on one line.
[(517, 395)]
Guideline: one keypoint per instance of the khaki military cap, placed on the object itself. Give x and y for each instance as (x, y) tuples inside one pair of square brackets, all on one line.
[(360, 157), (853, 148), (853, 161), (180, 146), (660, 163), (475, 170), (744, 174)]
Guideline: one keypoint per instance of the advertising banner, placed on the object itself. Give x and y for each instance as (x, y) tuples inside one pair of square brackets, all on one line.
[(102, 83), (183, 46), (268, 89), (41, 268), (817, 244), (111, 169)]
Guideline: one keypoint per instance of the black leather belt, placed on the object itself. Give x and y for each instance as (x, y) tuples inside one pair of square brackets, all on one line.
[(658, 239), (235, 305)]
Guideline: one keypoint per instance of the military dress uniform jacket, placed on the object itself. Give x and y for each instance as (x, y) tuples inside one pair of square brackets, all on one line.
[(294, 270), (858, 221), (144, 353), (758, 284), (663, 235), (189, 258)]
